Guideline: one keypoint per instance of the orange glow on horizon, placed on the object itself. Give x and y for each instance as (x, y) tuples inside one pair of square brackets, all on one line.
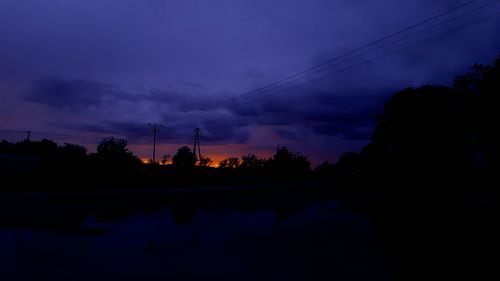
[(214, 158), (145, 160), (216, 153)]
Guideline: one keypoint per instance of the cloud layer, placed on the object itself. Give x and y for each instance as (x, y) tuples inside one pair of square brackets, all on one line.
[(102, 67)]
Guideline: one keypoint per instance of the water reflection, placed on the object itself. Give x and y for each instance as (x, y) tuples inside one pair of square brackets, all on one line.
[(184, 238)]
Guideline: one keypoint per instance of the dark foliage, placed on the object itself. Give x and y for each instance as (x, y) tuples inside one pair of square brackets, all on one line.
[(286, 165), (429, 176), (184, 159)]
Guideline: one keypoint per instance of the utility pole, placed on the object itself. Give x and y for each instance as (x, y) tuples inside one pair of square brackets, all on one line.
[(197, 143), (156, 128), (29, 135)]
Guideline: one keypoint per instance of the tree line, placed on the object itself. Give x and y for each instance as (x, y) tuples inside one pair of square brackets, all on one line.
[(113, 164)]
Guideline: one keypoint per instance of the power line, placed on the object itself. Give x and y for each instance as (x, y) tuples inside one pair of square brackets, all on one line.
[(371, 44), (235, 100), (378, 57), (31, 133), (475, 21)]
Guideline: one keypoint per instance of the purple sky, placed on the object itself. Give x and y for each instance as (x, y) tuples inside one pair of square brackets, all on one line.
[(108, 67)]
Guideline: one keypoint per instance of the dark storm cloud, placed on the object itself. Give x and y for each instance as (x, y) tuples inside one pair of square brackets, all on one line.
[(314, 113), (137, 62), (182, 98), (351, 117), (358, 134), (79, 94), (73, 95), (318, 113), (133, 131), (351, 124), (221, 132), (290, 133), (227, 130)]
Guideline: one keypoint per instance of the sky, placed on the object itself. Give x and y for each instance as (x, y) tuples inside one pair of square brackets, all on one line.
[(80, 70)]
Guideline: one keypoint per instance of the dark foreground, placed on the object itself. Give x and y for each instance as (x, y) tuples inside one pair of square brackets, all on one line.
[(172, 236), (264, 233)]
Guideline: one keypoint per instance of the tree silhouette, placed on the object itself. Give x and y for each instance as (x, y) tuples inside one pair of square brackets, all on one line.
[(165, 158), (184, 158), (229, 163), (252, 163), (73, 151), (113, 154), (113, 146), (44, 148), (424, 130), (72, 155), (286, 165), (205, 161), (483, 84)]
